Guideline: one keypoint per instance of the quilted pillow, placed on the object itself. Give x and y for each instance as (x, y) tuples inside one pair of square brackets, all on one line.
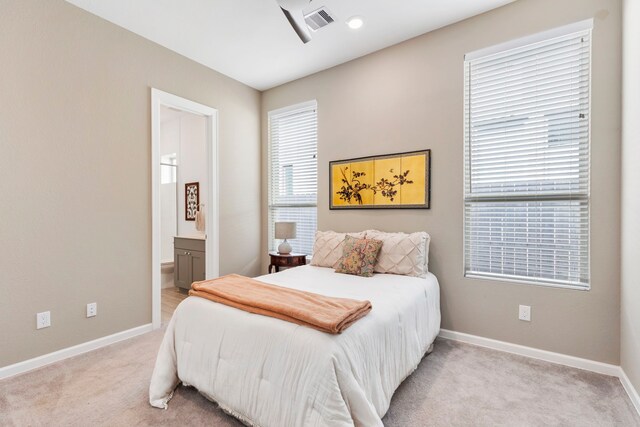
[(359, 256), (401, 253), (327, 247)]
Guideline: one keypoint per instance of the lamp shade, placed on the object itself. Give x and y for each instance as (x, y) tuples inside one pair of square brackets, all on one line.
[(285, 230)]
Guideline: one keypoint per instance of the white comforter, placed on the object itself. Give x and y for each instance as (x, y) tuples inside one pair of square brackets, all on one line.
[(268, 372)]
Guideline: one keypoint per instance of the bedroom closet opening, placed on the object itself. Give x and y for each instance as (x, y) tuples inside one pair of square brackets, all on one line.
[(185, 200)]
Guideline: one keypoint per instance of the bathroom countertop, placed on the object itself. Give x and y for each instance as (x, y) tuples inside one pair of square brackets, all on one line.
[(195, 237)]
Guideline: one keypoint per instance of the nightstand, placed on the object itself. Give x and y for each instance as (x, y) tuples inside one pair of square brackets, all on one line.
[(289, 260)]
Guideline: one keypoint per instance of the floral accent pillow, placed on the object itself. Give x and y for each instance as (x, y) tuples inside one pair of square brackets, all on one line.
[(358, 256)]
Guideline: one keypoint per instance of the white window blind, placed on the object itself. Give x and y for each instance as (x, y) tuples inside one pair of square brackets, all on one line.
[(527, 162), (293, 173)]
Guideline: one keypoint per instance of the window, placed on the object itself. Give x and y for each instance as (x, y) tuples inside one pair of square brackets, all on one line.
[(293, 173), (168, 166), (526, 192)]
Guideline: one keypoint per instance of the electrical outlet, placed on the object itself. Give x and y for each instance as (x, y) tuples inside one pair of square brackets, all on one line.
[(524, 313), (92, 309), (43, 320)]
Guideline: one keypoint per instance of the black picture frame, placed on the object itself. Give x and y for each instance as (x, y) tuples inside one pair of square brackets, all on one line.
[(191, 200), (427, 172)]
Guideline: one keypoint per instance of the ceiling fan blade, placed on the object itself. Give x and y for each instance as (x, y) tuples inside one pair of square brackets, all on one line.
[(292, 10), (296, 19)]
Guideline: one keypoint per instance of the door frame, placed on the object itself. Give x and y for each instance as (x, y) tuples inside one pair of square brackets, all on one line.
[(212, 218)]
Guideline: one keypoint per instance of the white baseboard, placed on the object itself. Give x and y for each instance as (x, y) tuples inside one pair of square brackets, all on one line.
[(548, 356), (631, 390), (56, 356)]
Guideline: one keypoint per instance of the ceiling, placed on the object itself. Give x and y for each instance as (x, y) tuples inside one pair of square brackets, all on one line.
[(251, 40)]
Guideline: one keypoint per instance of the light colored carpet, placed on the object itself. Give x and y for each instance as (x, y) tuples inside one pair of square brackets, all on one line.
[(457, 385)]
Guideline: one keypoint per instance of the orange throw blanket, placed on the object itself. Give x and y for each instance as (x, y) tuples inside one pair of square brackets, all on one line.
[(327, 314)]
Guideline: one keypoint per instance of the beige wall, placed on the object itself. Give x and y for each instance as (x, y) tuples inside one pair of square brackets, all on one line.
[(75, 179), (409, 97), (630, 313)]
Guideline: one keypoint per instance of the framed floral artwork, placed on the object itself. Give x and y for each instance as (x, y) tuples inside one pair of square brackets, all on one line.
[(392, 181), (191, 200)]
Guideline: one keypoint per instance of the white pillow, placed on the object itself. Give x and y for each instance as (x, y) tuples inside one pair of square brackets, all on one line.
[(327, 247), (401, 253)]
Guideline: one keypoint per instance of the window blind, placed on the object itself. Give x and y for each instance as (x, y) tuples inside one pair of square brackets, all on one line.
[(526, 192), (293, 173)]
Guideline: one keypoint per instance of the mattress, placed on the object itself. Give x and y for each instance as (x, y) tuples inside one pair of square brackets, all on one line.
[(268, 372)]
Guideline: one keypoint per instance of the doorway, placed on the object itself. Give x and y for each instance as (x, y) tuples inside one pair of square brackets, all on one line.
[(185, 243)]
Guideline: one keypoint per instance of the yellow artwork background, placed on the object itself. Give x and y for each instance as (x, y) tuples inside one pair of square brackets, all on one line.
[(414, 194), (348, 169), (386, 168)]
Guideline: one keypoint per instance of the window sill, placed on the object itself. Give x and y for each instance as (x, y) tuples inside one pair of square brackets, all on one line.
[(523, 281)]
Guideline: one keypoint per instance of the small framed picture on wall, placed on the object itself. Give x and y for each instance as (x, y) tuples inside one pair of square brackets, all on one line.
[(191, 200)]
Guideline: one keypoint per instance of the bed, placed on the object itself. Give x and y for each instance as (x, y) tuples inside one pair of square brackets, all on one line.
[(268, 372)]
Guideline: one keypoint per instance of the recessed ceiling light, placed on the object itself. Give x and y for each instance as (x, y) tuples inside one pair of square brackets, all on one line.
[(355, 22)]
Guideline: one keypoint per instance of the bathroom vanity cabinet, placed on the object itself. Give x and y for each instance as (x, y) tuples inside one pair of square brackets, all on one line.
[(189, 261)]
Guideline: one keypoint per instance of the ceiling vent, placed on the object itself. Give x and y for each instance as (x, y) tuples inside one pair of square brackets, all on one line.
[(319, 18)]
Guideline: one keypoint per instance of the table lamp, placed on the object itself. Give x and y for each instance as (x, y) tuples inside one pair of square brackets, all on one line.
[(285, 230)]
